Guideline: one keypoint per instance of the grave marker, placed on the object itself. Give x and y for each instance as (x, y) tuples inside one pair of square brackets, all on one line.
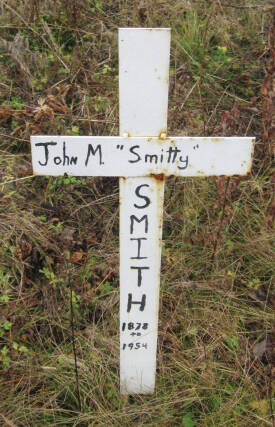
[(142, 156)]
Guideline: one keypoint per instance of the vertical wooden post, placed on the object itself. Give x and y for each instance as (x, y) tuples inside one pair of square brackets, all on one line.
[(143, 89)]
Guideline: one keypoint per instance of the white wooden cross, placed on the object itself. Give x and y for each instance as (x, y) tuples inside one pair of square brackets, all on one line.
[(142, 156)]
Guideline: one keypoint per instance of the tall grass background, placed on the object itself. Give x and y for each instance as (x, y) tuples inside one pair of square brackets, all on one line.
[(59, 75)]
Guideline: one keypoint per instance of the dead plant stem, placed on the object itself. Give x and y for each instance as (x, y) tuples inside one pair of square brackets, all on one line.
[(72, 319)]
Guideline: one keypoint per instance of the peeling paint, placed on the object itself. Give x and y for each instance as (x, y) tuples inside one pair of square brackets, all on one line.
[(158, 177), (148, 118), (128, 156), (163, 135)]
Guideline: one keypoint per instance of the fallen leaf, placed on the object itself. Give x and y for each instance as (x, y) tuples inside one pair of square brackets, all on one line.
[(23, 249), (76, 257)]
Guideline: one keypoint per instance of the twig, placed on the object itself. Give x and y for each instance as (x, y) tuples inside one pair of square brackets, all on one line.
[(202, 104), (188, 94), (215, 109), (8, 422), (73, 342), (249, 6), (15, 180), (14, 137), (249, 124), (95, 202), (236, 97), (95, 120)]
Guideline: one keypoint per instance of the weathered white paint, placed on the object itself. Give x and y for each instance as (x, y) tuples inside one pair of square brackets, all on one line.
[(143, 91), (140, 156), (140, 255), (143, 85), (143, 80)]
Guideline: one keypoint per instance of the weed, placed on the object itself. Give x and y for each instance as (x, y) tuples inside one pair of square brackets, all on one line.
[(59, 75)]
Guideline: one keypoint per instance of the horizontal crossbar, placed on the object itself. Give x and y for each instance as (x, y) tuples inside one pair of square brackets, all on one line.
[(141, 156)]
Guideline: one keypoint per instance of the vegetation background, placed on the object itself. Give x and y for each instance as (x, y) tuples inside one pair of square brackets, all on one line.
[(59, 236)]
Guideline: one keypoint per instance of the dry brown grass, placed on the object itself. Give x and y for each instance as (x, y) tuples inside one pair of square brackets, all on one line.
[(58, 74)]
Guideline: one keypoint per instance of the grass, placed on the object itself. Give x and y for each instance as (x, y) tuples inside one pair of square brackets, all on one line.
[(58, 75)]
